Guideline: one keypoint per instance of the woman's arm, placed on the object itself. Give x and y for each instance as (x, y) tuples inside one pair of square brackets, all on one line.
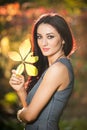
[(22, 95), (54, 78)]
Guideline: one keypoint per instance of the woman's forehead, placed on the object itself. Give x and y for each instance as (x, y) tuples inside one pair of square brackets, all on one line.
[(46, 28)]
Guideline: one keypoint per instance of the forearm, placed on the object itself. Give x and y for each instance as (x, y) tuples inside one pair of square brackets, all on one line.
[(22, 94), (26, 115)]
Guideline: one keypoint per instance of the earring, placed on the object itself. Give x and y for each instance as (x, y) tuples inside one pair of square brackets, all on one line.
[(63, 42)]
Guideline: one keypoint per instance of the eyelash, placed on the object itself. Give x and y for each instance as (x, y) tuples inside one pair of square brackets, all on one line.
[(39, 37), (49, 37)]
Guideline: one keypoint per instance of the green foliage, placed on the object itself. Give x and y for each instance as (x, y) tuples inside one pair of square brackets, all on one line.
[(74, 6), (75, 124), (11, 97), (11, 124), (68, 3)]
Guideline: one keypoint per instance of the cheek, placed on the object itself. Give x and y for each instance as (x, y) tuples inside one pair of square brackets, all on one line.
[(39, 43), (59, 41), (56, 43)]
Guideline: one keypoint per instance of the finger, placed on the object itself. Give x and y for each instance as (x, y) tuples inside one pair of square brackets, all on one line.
[(15, 76), (14, 71), (16, 79), (15, 82)]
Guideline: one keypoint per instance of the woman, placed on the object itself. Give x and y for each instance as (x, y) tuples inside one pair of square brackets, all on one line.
[(51, 89)]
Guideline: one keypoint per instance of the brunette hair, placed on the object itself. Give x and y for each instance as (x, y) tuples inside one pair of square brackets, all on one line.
[(60, 24)]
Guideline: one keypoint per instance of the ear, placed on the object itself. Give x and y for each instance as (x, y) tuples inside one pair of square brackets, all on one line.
[(63, 42)]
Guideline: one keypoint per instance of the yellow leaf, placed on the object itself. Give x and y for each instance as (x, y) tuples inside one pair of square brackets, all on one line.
[(20, 69), (31, 59), (25, 56), (25, 48), (14, 56), (31, 70), (31, 53)]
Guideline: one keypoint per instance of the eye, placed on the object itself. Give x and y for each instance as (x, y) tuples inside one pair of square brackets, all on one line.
[(50, 36), (39, 36)]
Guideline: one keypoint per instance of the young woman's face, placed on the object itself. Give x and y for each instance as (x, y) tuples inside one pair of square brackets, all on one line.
[(48, 39)]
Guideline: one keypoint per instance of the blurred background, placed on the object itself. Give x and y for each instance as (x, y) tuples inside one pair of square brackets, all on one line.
[(16, 20)]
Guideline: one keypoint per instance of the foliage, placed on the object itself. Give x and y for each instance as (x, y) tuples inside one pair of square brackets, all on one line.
[(75, 6), (75, 124), (43, 1), (11, 124)]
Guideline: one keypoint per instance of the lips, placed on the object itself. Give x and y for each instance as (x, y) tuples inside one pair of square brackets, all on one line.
[(46, 49)]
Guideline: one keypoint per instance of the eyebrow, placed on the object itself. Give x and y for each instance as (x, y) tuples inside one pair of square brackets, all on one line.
[(46, 33)]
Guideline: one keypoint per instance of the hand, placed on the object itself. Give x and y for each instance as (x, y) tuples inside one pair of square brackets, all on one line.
[(16, 81)]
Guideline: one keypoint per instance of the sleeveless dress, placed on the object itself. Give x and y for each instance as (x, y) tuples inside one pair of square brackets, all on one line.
[(49, 117)]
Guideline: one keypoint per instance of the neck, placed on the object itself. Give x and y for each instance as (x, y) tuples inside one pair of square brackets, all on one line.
[(51, 61)]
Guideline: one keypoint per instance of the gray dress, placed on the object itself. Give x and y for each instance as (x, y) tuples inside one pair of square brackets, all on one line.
[(49, 117)]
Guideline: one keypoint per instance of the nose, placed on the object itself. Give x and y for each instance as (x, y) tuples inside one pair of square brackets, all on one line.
[(44, 41)]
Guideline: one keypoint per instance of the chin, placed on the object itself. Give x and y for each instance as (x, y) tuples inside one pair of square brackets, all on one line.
[(45, 54)]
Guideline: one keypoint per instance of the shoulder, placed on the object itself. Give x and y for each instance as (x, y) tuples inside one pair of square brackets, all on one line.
[(57, 68), (58, 72)]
